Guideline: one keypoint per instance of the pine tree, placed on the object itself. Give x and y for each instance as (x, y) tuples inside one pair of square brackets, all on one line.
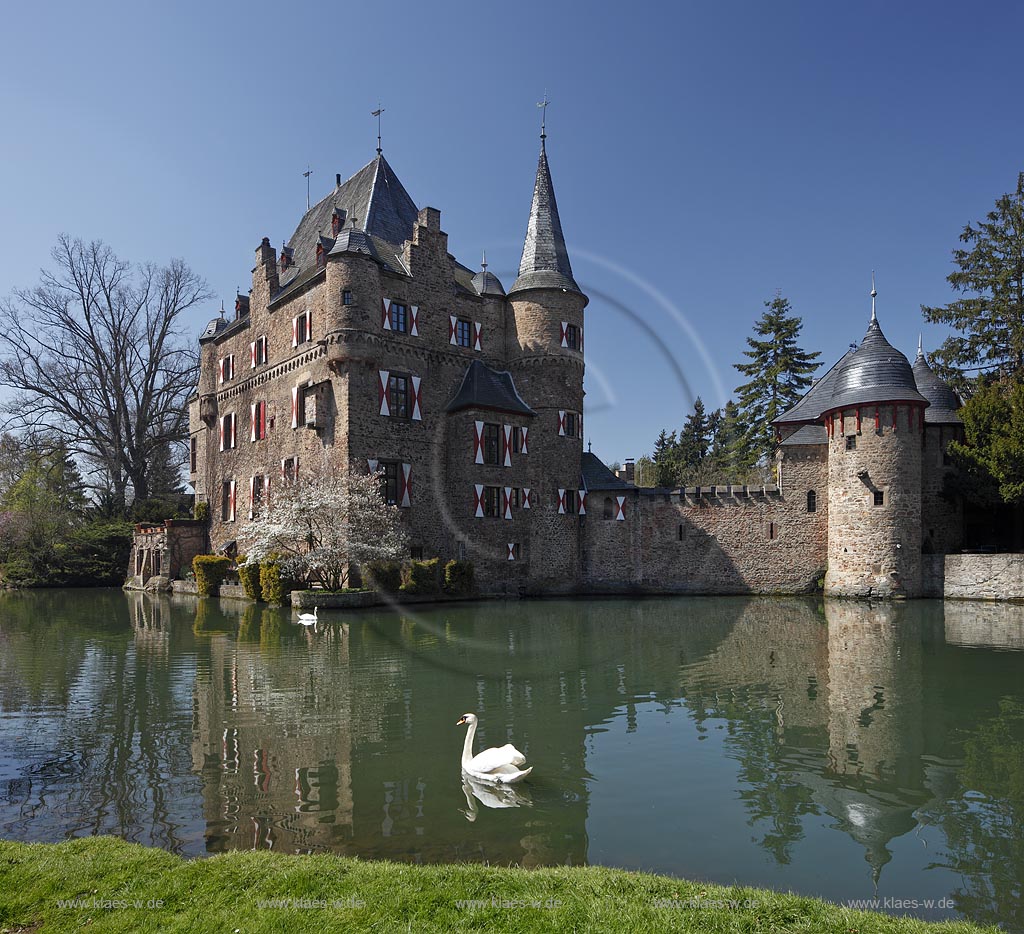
[(695, 437), (779, 374), (991, 274), (730, 449), (666, 464)]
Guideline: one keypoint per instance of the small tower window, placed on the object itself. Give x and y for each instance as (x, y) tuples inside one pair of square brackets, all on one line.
[(609, 509), (463, 333), (572, 337), (879, 498), (346, 297), (812, 501), (771, 531), (399, 318), (851, 442), (680, 531)]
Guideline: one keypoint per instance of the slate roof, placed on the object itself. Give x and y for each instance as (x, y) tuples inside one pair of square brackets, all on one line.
[(875, 372), (485, 388), (944, 402), (487, 283), (214, 328), (597, 476), (807, 434), (545, 260), (816, 402)]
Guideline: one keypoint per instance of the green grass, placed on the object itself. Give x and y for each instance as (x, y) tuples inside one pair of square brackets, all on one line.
[(223, 894)]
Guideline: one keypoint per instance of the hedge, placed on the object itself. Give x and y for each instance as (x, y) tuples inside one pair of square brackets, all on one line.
[(210, 570), (249, 575), (458, 578), (275, 583), (423, 577), (385, 576)]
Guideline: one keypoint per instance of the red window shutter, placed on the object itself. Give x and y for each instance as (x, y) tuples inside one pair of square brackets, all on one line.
[(478, 442), (414, 320), (295, 406), (451, 329), (253, 415), (231, 502), (385, 313), (417, 415), (385, 405), (220, 371), (252, 355), (222, 422), (405, 494), (506, 445), (252, 495), (506, 502), (295, 332), (309, 324), (565, 333), (477, 329), (561, 501), (234, 419), (620, 508), (523, 449), (526, 497), (478, 501), (582, 494), (561, 422)]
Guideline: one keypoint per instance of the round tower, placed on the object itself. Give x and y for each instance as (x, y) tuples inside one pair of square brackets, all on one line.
[(545, 341), (875, 424)]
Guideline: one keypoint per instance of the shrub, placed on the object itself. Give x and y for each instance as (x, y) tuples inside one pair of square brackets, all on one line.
[(423, 577), (96, 555), (210, 571), (458, 577), (201, 511), (249, 574), (384, 576), (275, 581)]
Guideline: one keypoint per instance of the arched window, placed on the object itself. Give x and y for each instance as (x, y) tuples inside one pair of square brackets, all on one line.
[(812, 501), (609, 508)]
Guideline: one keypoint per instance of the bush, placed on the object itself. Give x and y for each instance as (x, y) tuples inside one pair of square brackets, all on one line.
[(423, 577), (96, 555), (210, 570), (384, 576), (201, 511), (458, 578), (249, 575), (275, 582)]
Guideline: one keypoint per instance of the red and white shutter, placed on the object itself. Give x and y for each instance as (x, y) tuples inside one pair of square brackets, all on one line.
[(579, 422), (522, 443), (477, 329), (295, 406), (620, 508), (253, 415), (252, 355), (561, 422), (382, 391), (223, 423), (565, 333), (478, 501), (252, 495), (417, 415), (266, 492), (506, 445), (581, 340), (220, 371), (231, 501), (405, 486), (282, 471), (478, 442), (526, 497), (452, 325), (295, 332), (234, 420), (583, 501), (385, 313), (414, 320), (506, 502), (372, 463), (511, 551), (309, 324), (561, 501)]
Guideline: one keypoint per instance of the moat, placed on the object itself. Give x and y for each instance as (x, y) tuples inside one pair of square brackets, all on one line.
[(843, 750)]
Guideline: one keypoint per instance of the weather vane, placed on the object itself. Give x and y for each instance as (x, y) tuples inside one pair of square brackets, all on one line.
[(306, 175), (874, 292), (376, 113), (543, 105)]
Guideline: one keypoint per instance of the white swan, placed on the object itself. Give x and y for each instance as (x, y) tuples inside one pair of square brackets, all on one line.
[(308, 619), (498, 765)]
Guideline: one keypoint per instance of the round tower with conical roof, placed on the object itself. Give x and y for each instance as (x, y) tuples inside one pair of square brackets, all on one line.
[(545, 339), (875, 422)]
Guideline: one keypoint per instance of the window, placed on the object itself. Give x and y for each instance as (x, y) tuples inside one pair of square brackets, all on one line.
[(398, 396), (851, 442), (460, 550), (812, 501), (227, 368), (771, 531), (302, 328), (193, 454), (516, 498), (572, 337), (259, 421), (515, 551), (492, 449), (389, 482), (572, 429), (257, 497), (289, 470), (399, 317), (517, 439), (346, 297), (464, 333), (682, 533), (260, 351), (572, 502), (609, 508), (227, 501), (416, 552), (227, 431), (879, 497), (492, 501)]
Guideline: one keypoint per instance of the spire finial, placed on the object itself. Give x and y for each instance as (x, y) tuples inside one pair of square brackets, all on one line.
[(920, 344), (874, 292), (483, 262), (543, 105), (306, 175), (376, 113)]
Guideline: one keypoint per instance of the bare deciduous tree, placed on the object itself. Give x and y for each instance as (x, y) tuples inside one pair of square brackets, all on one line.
[(96, 353)]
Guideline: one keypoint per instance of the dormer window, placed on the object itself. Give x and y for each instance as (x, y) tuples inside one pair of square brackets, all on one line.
[(287, 257), (337, 221), (320, 256)]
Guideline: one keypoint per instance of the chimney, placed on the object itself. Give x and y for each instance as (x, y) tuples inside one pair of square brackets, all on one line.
[(337, 180), (628, 471)]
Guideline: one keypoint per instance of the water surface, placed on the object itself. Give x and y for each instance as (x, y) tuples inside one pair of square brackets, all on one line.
[(841, 750)]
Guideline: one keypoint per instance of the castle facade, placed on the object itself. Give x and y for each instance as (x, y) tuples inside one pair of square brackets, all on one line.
[(365, 345)]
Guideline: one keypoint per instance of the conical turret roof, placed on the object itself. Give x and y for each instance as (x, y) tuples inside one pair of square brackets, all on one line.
[(545, 262), (875, 372), (943, 402)]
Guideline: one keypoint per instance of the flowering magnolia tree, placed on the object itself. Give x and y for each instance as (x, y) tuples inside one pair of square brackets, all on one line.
[(323, 523)]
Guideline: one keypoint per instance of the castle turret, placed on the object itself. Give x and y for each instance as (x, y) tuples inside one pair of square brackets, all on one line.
[(545, 331), (875, 421)]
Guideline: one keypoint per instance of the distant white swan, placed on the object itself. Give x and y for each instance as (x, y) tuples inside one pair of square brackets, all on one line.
[(308, 619), (500, 766)]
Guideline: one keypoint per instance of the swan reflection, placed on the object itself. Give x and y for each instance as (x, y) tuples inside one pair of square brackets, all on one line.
[(491, 796)]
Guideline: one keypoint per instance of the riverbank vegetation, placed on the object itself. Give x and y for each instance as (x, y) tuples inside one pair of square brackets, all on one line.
[(109, 885)]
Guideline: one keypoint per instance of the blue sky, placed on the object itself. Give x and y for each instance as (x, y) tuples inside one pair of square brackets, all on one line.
[(704, 156)]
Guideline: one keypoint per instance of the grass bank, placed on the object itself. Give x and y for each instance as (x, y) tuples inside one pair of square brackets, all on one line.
[(105, 884)]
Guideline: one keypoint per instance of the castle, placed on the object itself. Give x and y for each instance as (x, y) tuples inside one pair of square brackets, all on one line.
[(365, 345)]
